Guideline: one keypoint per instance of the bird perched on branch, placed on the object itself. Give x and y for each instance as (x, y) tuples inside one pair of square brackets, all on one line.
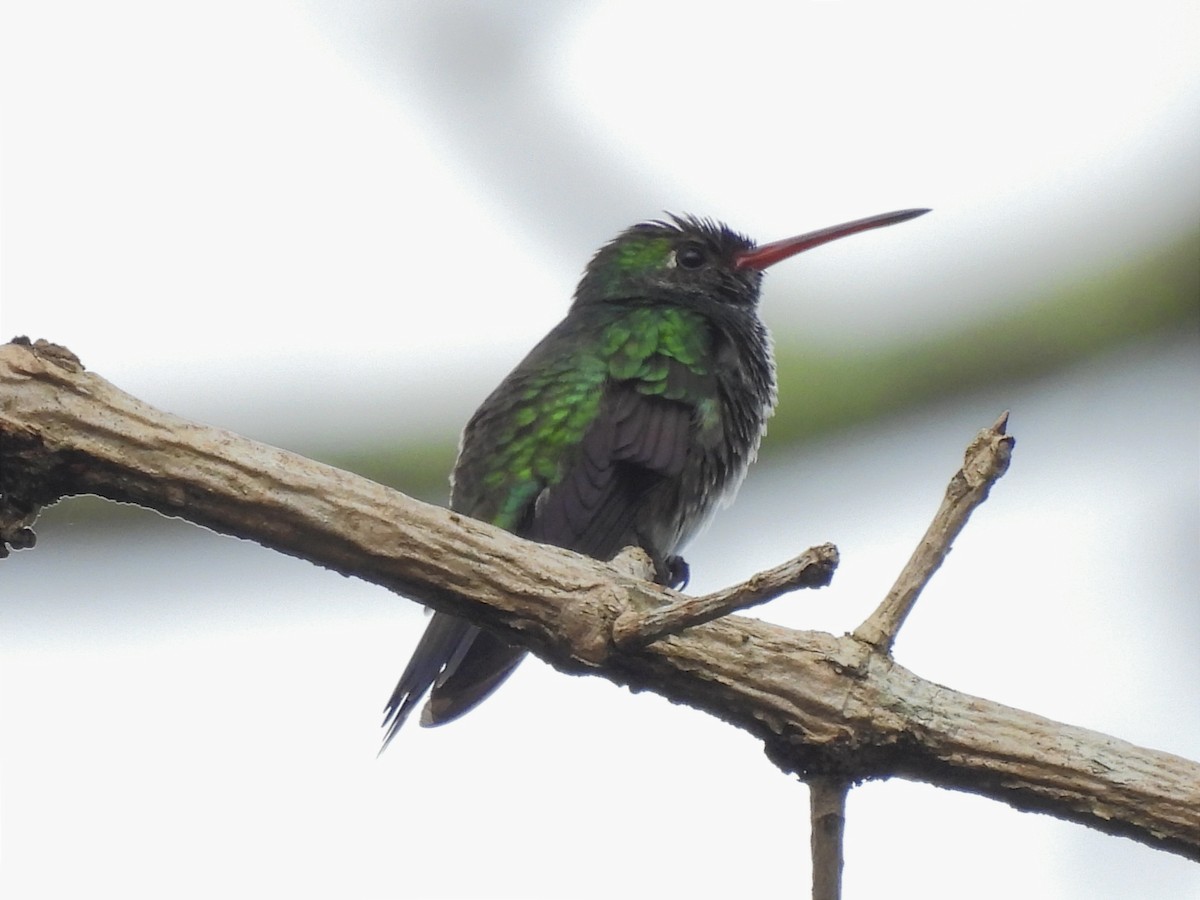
[(625, 426)]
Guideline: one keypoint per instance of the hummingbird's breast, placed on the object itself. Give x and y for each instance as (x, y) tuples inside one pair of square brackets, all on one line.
[(728, 426)]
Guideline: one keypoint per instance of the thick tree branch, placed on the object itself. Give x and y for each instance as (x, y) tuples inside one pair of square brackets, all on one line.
[(822, 705)]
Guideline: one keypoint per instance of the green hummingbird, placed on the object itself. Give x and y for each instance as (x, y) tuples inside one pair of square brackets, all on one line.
[(626, 425)]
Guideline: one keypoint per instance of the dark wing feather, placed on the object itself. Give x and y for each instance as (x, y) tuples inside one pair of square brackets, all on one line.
[(635, 443)]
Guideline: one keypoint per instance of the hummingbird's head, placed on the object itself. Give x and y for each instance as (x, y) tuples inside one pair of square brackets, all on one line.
[(699, 262), (685, 258)]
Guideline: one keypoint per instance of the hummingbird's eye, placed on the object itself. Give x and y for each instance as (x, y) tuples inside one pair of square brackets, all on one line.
[(690, 256)]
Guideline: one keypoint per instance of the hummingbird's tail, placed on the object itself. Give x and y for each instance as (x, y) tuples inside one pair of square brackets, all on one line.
[(458, 664)]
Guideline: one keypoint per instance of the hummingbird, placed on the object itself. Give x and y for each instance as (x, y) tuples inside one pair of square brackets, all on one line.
[(627, 425)]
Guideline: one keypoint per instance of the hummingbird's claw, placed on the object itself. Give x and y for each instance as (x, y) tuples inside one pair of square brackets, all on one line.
[(679, 573)]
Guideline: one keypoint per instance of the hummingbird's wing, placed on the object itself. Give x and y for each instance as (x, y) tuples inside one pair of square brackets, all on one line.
[(636, 445), (569, 455)]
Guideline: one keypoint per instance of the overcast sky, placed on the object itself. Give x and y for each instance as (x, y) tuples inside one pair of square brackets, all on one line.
[(208, 192)]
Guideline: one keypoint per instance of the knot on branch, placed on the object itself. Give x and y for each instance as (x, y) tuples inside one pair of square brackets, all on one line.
[(56, 354), (985, 461), (15, 530)]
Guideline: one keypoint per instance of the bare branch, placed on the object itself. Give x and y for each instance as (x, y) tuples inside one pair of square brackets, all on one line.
[(812, 568), (986, 461), (827, 810), (822, 705)]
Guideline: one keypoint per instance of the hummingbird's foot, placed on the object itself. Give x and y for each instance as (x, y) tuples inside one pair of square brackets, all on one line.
[(678, 573)]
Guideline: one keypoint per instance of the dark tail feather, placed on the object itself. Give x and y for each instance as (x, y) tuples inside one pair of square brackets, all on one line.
[(445, 641), (468, 681), (461, 664)]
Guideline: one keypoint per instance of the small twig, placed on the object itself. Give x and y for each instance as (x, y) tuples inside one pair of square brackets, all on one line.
[(827, 810), (987, 459), (811, 569)]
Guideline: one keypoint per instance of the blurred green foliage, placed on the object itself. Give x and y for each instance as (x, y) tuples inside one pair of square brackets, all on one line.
[(823, 392), (1157, 296)]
